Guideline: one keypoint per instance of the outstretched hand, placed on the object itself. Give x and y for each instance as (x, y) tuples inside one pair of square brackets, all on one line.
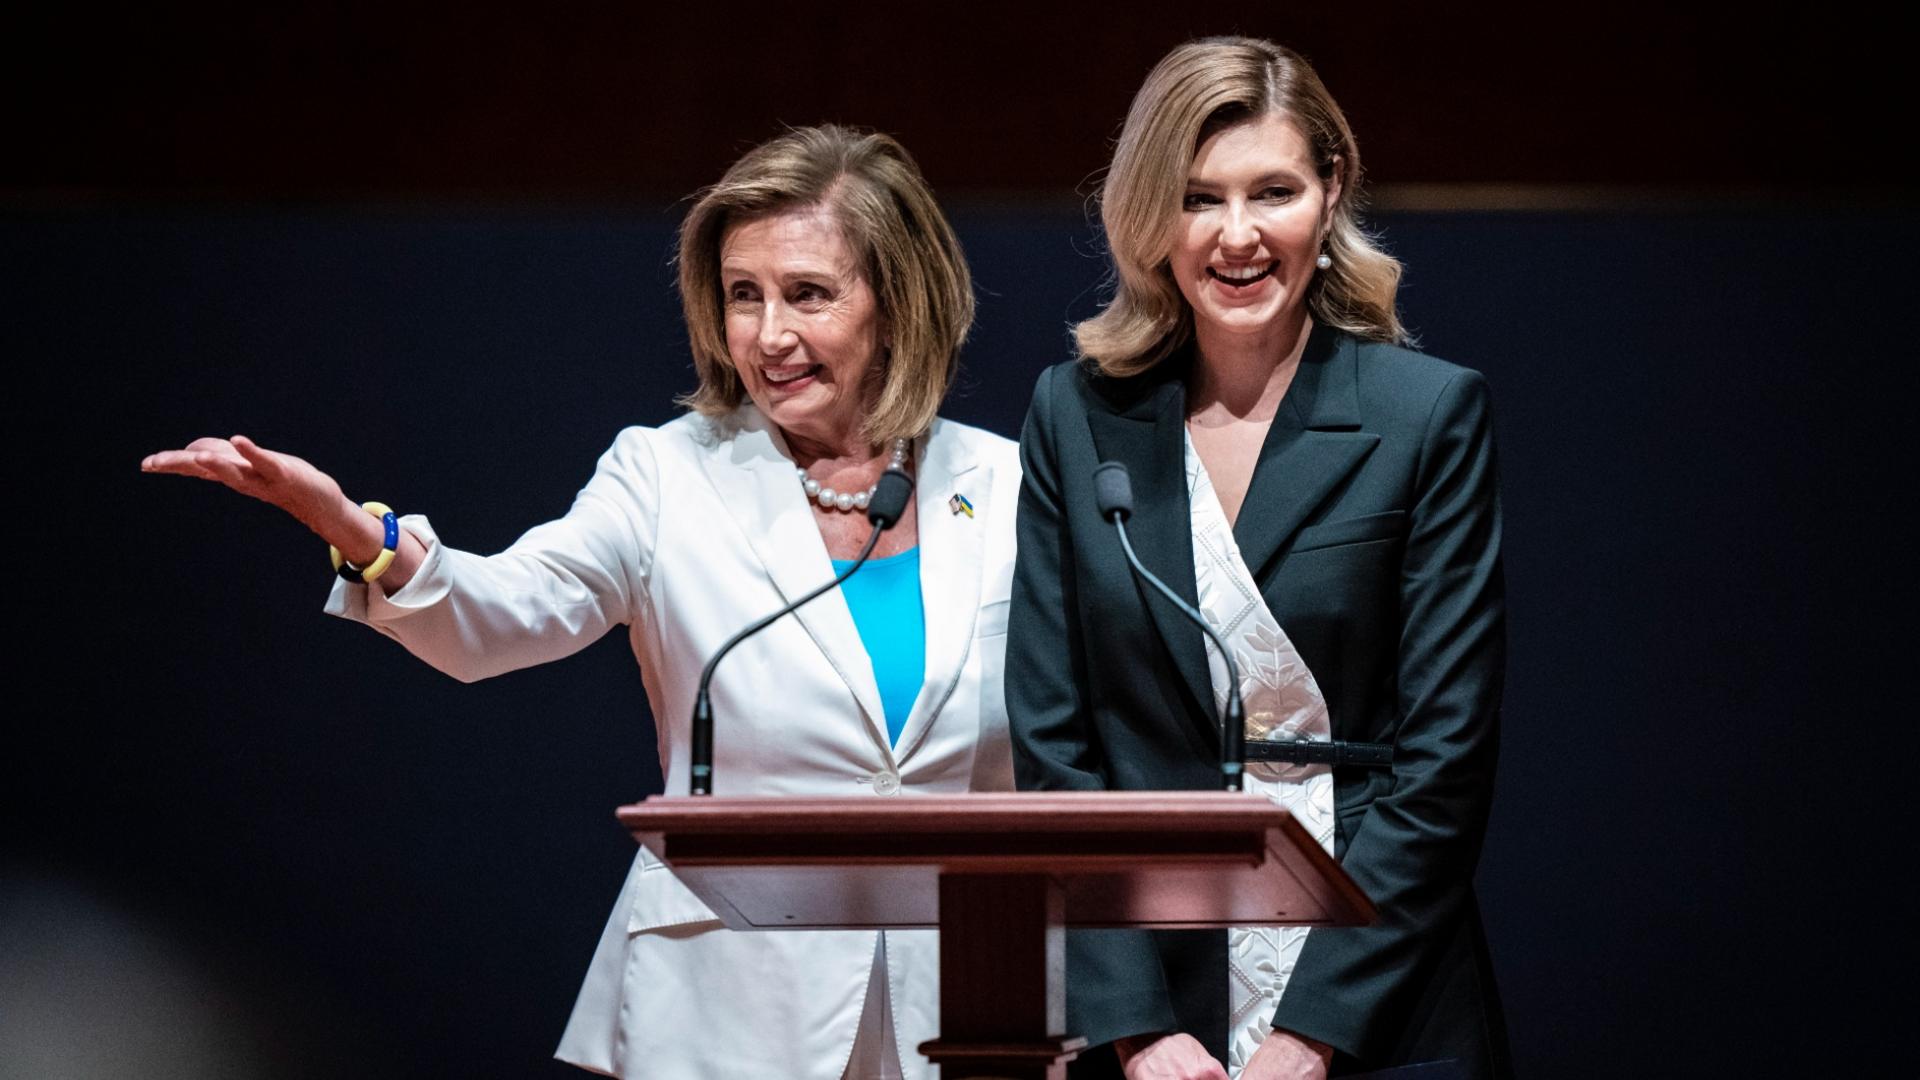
[(293, 485), (286, 481)]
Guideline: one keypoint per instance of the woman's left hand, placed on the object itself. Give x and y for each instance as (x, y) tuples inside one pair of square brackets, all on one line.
[(1285, 1056)]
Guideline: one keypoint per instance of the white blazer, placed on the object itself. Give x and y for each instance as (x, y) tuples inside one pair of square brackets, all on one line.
[(685, 533)]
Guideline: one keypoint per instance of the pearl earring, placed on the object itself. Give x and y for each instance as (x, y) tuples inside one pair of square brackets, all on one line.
[(1325, 261)]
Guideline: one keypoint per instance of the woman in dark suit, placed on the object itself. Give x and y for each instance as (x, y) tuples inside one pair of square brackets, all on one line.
[(1327, 498)]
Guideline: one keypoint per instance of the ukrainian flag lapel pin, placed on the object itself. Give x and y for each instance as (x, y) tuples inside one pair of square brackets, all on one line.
[(959, 504)]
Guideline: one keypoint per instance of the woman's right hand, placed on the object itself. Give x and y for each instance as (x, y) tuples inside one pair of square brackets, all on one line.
[(294, 485), (1167, 1057), (288, 482)]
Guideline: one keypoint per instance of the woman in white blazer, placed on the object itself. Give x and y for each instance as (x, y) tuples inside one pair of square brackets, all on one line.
[(826, 299)]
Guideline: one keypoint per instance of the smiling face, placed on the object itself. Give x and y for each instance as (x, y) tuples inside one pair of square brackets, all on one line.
[(1250, 227), (803, 326)]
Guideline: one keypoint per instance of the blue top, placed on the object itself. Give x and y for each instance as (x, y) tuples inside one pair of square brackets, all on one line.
[(884, 598)]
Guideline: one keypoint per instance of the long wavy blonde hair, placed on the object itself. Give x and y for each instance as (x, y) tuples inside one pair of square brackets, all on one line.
[(1196, 90)]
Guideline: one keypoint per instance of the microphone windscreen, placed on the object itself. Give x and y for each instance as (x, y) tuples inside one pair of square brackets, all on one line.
[(1113, 490), (890, 497)]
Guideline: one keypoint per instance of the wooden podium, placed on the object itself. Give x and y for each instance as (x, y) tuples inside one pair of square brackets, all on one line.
[(1000, 876)]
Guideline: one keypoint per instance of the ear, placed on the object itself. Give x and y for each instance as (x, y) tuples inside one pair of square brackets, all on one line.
[(1334, 191)]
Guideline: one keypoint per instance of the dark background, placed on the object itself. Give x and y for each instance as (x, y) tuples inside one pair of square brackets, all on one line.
[(429, 251)]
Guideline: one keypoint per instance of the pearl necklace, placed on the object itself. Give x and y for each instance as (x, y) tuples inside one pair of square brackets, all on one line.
[(849, 500)]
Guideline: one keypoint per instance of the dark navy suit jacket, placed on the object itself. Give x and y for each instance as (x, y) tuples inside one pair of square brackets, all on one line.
[(1372, 527)]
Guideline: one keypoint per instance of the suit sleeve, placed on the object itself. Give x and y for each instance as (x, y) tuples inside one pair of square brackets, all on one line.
[(1415, 849), (554, 592), (1116, 985)]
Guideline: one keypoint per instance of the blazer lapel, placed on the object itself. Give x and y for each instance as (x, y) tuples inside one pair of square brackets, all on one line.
[(1313, 445), (1148, 436), (756, 483), (952, 550)]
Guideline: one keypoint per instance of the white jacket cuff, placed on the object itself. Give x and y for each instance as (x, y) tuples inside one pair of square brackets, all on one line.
[(371, 605)]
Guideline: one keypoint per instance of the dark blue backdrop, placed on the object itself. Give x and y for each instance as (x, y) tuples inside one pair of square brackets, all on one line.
[(245, 839)]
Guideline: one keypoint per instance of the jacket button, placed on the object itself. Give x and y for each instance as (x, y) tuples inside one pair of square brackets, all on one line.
[(886, 783)]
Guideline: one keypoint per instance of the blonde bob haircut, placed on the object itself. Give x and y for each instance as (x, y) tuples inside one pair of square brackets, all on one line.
[(906, 249), (1197, 90)]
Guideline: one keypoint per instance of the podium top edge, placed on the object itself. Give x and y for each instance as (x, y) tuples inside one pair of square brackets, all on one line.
[(975, 811)]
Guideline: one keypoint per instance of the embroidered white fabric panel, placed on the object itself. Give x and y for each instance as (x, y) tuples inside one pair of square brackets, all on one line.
[(1282, 702)]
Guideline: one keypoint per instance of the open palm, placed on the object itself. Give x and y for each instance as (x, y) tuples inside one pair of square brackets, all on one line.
[(286, 481)]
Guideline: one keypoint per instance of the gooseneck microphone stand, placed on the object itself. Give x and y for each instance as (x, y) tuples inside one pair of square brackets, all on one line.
[(1113, 494), (884, 509)]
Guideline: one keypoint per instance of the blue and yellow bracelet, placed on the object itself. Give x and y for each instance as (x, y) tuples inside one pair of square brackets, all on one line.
[(389, 546)]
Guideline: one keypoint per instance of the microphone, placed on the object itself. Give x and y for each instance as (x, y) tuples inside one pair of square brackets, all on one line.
[(1113, 495), (1113, 490), (884, 508)]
